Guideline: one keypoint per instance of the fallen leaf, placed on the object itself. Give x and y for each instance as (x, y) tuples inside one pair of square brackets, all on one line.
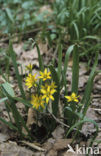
[(12, 149), (61, 144), (52, 153), (58, 133)]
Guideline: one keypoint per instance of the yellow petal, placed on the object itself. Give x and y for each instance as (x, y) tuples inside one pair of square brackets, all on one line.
[(47, 99), (51, 97), (45, 71), (73, 95), (76, 100)]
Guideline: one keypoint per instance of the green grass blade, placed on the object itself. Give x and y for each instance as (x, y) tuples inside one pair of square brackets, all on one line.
[(76, 29), (13, 57), (9, 14), (88, 90), (80, 123), (41, 65), (57, 94), (63, 81), (8, 124), (75, 70), (68, 52), (25, 102), (17, 117), (59, 61)]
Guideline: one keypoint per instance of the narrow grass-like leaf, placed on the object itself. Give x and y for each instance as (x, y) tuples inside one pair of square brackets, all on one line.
[(88, 90), (92, 37), (76, 29), (55, 106), (17, 117), (54, 74), (25, 102), (75, 70), (80, 123), (59, 61), (63, 81), (79, 115), (68, 52), (9, 14), (13, 57), (8, 124), (41, 65)]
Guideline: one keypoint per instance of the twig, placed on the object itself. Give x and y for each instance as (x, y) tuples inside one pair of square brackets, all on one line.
[(96, 109), (32, 145)]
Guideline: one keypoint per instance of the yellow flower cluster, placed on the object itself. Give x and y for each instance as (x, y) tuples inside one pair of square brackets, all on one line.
[(37, 101), (45, 75), (31, 80), (47, 90), (72, 98)]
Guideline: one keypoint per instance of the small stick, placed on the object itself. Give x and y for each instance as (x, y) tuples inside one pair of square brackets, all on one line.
[(32, 145)]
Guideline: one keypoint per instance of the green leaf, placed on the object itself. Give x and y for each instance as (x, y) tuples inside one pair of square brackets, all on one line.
[(76, 29), (75, 70), (57, 94), (64, 80), (92, 37), (8, 124), (7, 87), (13, 57), (41, 65), (54, 75), (3, 99), (9, 14), (79, 115), (25, 102), (68, 52), (80, 123), (19, 121), (88, 90), (59, 61)]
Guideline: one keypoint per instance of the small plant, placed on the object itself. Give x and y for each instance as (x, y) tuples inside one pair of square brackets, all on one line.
[(45, 90)]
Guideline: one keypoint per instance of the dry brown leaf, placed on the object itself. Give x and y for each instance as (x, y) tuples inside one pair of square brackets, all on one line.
[(12, 149), (52, 153), (30, 56), (58, 133), (61, 144), (31, 119), (88, 128)]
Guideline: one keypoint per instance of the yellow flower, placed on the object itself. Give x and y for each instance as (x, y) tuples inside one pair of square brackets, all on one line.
[(53, 86), (37, 101), (47, 92), (72, 97), (45, 75), (31, 80), (45, 86), (29, 67)]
